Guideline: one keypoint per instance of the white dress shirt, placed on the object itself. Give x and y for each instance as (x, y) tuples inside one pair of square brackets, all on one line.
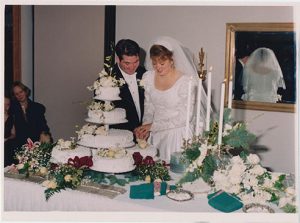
[(133, 88)]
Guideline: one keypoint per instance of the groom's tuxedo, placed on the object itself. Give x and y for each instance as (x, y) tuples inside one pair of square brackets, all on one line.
[(127, 102)]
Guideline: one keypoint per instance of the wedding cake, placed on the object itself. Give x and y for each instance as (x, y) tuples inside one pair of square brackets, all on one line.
[(104, 112), (99, 137), (112, 160), (64, 150), (144, 148), (107, 93)]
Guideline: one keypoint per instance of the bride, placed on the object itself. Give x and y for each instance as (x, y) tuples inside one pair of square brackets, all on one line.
[(170, 68)]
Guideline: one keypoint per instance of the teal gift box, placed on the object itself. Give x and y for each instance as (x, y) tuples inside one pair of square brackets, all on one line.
[(142, 191), (224, 202), (146, 191)]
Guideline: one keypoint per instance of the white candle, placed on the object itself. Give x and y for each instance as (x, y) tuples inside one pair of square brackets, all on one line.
[(187, 125), (208, 99), (199, 94), (221, 114), (230, 94)]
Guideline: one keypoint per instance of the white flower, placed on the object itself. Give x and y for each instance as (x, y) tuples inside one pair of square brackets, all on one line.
[(45, 183), (108, 106), (268, 183), (107, 81), (227, 129), (237, 160), (253, 159), (290, 191), (101, 131), (68, 178), (235, 189), (235, 179), (43, 170), (103, 73), (20, 166), (52, 184), (283, 201), (257, 170)]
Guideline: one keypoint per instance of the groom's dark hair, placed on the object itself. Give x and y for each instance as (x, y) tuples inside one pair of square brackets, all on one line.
[(127, 47)]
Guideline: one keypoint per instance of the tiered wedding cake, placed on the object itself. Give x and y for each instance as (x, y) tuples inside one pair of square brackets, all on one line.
[(111, 149)]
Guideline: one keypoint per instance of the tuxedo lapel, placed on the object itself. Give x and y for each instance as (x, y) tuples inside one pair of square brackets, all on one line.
[(125, 93)]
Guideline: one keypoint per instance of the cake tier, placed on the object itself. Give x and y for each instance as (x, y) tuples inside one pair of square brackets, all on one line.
[(114, 138), (59, 155), (107, 93), (148, 151), (117, 115), (114, 161)]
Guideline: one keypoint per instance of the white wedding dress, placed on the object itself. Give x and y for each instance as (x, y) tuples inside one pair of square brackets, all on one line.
[(167, 110)]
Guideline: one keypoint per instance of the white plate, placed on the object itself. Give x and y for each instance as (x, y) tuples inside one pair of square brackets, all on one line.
[(105, 123)]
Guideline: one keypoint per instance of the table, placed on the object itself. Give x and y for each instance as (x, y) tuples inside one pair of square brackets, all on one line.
[(23, 196)]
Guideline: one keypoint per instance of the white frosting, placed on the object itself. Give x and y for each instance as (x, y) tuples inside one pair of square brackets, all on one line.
[(114, 138), (59, 155), (117, 115), (107, 93), (148, 151), (116, 162)]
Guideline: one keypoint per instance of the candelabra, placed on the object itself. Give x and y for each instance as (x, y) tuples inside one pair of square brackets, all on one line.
[(202, 72)]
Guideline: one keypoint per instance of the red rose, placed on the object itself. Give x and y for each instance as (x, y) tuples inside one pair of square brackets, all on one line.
[(148, 160), (138, 158)]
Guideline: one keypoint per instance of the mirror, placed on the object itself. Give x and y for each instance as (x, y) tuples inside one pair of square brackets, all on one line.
[(259, 86)]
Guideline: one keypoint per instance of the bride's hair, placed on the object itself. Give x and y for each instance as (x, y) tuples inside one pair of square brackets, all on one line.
[(160, 52)]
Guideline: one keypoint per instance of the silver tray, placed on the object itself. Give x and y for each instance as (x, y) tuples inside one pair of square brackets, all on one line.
[(180, 191), (256, 205)]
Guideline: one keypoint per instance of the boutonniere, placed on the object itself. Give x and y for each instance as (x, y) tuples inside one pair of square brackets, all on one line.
[(141, 83)]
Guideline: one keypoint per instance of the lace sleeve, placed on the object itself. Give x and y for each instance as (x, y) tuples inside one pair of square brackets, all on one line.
[(148, 104), (181, 108)]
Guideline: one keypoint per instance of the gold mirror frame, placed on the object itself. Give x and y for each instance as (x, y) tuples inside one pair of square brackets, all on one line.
[(231, 28)]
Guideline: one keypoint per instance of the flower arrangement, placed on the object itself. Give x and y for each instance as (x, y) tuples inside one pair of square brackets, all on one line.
[(106, 77), (150, 170), (33, 158), (231, 168), (247, 179), (69, 175), (204, 155)]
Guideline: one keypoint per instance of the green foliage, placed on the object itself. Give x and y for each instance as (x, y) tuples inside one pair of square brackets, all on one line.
[(239, 137), (156, 171), (288, 208), (50, 192), (192, 152), (209, 166), (190, 176), (114, 180), (279, 183), (227, 116)]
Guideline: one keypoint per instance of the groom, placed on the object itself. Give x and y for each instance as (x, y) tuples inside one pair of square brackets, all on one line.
[(132, 95)]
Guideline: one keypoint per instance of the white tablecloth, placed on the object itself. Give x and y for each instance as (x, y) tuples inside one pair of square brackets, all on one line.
[(27, 196), (22, 200)]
